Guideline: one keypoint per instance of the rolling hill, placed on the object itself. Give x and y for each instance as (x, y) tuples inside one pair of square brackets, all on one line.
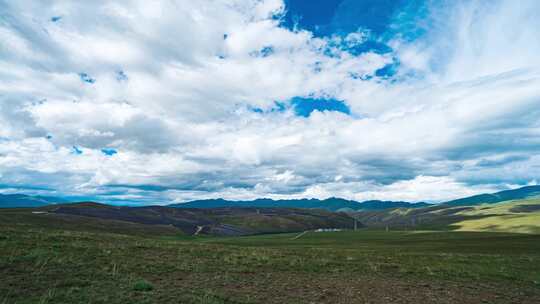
[(514, 194), (506, 211), (521, 216), (215, 221)]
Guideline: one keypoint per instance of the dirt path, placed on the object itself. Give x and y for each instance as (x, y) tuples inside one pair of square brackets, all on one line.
[(300, 235), (199, 229)]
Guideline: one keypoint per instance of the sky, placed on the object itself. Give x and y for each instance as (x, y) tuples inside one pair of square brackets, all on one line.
[(156, 102)]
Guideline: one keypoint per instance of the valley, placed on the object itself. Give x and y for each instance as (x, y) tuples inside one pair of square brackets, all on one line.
[(94, 253)]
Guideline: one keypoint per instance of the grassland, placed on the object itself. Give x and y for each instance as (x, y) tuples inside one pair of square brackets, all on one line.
[(521, 216), (83, 261), (218, 221)]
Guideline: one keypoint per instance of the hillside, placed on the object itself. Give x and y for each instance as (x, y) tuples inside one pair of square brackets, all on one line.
[(507, 195), (514, 216), (222, 217), (217, 221), (331, 204), (510, 216)]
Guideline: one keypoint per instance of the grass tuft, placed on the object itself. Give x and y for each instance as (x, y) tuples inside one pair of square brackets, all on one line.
[(208, 298), (143, 285)]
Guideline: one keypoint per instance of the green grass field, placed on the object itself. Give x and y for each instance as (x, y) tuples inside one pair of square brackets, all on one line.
[(48, 262), (508, 216), (516, 216)]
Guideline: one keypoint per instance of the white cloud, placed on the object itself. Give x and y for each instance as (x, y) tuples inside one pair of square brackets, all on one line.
[(181, 119), (421, 188)]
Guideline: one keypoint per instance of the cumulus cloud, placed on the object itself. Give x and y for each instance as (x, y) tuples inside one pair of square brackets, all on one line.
[(195, 99)]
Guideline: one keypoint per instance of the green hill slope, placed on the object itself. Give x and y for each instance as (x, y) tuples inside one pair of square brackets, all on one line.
[(507, 195), (218, 221), (522, 216)]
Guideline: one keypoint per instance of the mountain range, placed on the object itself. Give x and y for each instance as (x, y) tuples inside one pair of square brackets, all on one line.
[(30, 201), (331, 204)]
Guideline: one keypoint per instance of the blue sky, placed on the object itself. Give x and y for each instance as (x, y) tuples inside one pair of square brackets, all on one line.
[(170, 101)]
